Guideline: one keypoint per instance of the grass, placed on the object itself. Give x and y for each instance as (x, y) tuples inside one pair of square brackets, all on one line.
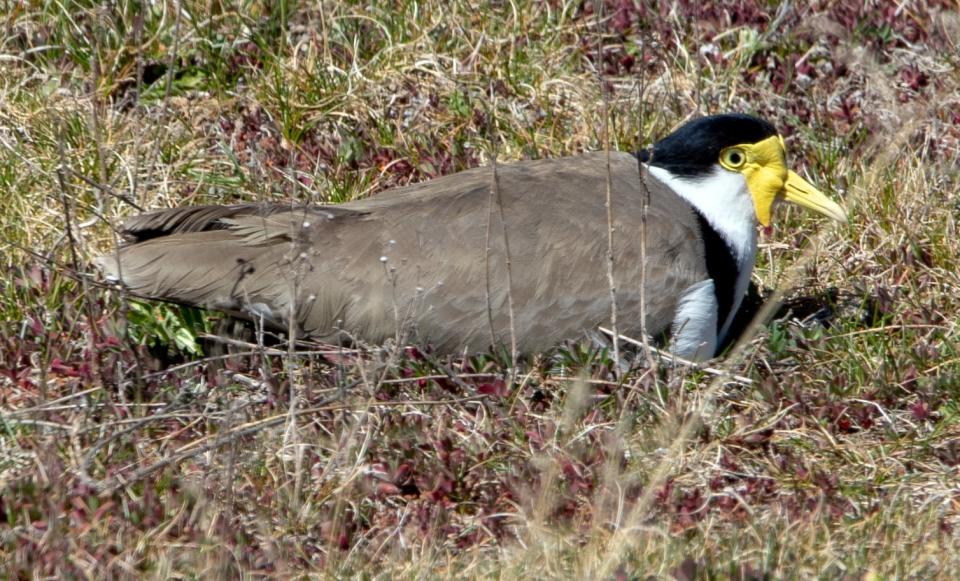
[(125, 455)]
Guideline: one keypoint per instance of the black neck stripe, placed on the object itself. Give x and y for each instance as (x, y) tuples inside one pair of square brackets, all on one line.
[(722, 268)]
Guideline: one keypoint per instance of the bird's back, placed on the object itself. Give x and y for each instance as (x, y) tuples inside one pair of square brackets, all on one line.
[(429, 261)]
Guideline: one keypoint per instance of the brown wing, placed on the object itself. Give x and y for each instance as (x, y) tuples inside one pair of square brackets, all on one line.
[(223, 257), (417, 258)]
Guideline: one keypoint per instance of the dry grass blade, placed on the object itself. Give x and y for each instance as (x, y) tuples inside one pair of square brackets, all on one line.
[(608, 203), (825, 446), (667, 357), (618, 546)]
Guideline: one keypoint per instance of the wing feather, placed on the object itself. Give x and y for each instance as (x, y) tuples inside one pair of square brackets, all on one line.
[(417, 260)]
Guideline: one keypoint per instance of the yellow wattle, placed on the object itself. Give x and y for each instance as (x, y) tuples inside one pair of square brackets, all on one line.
[(765, 185), (766, 172)]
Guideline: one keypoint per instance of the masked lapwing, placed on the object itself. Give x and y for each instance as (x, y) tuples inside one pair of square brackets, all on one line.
[(432, 262)]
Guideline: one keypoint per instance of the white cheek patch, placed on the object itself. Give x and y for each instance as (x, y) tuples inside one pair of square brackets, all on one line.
[(695, 322), (724, 199)]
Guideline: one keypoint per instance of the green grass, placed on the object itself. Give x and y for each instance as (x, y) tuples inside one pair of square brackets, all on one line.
[(124, 452)]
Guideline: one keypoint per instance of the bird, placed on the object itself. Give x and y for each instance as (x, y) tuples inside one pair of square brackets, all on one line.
[(509, 252)]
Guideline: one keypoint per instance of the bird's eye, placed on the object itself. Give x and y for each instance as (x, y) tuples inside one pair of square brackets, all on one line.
[(732, 158)]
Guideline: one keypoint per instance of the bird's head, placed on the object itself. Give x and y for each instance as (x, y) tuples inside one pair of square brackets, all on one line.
[(740, 144)]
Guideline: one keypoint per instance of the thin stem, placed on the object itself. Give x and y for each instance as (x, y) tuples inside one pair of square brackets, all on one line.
[(608, 202), (508, 261), (644, 210)]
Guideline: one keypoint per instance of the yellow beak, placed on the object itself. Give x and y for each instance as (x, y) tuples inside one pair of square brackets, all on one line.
[(800, 192), (765, 167)]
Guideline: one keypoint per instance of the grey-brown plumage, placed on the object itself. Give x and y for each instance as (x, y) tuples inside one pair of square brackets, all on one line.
[(415, 259)]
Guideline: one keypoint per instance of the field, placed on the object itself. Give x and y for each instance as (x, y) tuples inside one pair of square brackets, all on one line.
[(826, 443)]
